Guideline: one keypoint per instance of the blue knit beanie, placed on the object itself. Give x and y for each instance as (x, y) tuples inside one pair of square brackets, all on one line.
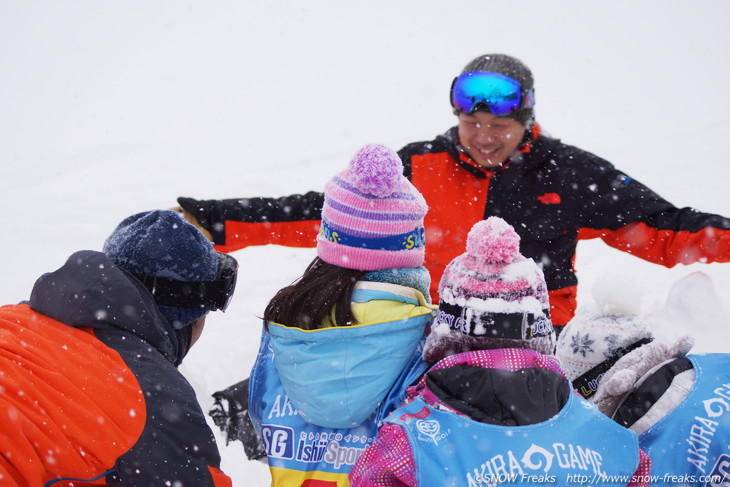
[(163, 244)]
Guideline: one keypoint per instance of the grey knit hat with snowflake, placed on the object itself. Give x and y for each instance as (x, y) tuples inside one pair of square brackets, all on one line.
[(593, 341)]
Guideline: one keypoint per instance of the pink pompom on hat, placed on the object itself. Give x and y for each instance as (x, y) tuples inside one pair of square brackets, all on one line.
[(372, 218), (491, 297)]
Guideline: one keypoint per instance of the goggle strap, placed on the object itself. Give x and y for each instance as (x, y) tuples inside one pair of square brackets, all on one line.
[(185, 294), (513, 326), (528, 99)]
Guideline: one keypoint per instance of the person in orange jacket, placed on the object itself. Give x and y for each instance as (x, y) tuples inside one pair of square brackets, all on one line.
[(496, 162), (90, 393)]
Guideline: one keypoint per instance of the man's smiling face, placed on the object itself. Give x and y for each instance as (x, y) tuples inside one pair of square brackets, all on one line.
[(489, 139)]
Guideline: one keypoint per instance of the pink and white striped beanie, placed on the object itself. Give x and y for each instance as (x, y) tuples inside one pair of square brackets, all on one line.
[(491, 297), (372, 218)]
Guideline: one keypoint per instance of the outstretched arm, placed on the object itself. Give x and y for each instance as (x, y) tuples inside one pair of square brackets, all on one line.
[(233, 224), (677, 236), (631, 217)]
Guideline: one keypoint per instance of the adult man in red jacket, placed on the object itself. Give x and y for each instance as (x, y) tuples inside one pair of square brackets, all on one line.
[(90, 393), (497, 163)]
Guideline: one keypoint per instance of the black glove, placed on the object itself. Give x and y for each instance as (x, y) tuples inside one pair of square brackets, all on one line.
[(230, 414)]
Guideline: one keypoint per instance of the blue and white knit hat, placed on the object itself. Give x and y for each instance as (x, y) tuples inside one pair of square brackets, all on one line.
[(604, 351)]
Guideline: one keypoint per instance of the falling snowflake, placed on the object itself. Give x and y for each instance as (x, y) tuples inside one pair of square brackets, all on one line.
[(581, 344)]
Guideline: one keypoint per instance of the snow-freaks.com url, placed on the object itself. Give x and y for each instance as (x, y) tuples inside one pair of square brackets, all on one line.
[(579, 479), (586, 480)]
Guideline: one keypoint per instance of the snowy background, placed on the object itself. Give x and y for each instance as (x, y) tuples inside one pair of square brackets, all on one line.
[(110, 108)]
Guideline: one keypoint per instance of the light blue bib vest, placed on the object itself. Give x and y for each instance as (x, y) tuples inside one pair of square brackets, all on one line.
[(692, 443), (579, 446)]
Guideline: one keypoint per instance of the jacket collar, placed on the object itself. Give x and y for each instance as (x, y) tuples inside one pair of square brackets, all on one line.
[(459, 153), (506, 387)]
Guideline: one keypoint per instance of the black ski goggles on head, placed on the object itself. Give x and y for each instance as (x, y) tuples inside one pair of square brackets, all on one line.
[(499, 94), (214, 294)]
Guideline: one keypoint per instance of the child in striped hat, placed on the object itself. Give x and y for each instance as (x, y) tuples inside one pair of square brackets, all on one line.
[(372, 230), (341, 343), (372, 218)]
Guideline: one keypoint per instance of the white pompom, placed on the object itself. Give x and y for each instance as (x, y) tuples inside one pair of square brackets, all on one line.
[(617, 295)]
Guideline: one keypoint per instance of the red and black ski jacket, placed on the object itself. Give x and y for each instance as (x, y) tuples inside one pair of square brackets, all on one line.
[(552, 193), (89, 389)]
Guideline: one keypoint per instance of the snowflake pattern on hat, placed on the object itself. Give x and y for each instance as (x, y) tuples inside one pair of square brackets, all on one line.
[(581, 344)]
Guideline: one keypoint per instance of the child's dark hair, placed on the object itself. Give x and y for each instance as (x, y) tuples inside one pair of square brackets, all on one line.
[(309, 300)]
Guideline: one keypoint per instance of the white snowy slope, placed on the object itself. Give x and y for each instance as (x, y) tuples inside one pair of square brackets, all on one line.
[(110, 108)]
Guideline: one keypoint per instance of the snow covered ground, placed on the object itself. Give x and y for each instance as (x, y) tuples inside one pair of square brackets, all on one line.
[(110, 108)]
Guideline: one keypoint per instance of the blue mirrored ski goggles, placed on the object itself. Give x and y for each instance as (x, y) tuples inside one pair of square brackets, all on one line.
[(500, 94)]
